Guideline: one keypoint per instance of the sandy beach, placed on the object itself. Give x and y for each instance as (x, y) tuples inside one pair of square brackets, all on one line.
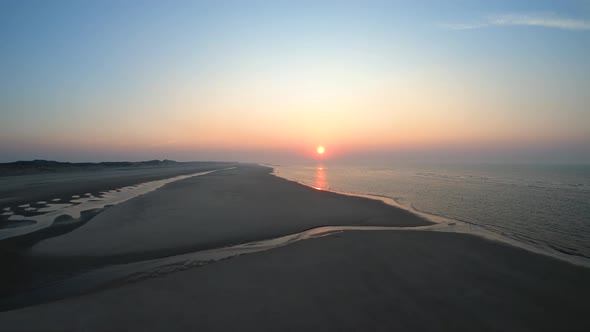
[(352, 280), (16, 190), (295, 166), (219, 209)]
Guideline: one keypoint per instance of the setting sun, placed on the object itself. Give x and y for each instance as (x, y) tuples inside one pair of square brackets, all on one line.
[(321, 149)]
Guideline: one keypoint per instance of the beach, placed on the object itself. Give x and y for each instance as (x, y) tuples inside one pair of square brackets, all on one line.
[(40, 186), (295, 166), (385, 279)]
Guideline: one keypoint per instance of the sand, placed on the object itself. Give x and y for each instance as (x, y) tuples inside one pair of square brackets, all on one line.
[(354, 280), (214, 210), (374, 280), (24, 189)]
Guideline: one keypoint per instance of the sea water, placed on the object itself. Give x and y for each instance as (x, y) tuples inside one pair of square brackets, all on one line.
[(546, 206)]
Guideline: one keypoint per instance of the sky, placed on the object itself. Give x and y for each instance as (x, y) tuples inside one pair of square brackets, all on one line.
[(269, 81)]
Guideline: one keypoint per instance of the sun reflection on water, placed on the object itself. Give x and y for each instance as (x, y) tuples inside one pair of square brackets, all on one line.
[(321, 182)]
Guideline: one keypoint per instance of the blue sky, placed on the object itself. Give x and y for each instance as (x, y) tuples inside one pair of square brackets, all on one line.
[(88, 80)]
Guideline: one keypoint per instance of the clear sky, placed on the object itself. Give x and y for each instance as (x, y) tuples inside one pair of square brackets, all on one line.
[(269, 81)]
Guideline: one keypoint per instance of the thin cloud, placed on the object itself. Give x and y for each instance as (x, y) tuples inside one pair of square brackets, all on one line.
[(523, 20), (464, 26), (548, 22)]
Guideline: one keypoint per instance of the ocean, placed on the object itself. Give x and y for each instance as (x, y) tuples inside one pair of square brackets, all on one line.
[(545, 206)]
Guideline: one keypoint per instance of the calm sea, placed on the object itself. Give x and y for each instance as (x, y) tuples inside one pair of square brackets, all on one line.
[(547, 206)]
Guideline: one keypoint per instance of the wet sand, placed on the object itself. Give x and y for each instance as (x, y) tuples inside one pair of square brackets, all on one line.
[(218, 209), (215, 210), (23, 189), (372, 280), (354, 280)]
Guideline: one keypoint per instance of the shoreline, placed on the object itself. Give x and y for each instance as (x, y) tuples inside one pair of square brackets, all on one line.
[(31, 203), (247, 205), (360, 212), (19, 190), (347, 275), (77, 206), (444, 224)]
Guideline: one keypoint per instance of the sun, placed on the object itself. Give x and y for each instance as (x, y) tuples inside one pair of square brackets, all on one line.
[(321, 149)]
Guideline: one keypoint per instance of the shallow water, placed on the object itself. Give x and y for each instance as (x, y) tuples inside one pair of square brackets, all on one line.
[(45, 213), (546, 206)]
